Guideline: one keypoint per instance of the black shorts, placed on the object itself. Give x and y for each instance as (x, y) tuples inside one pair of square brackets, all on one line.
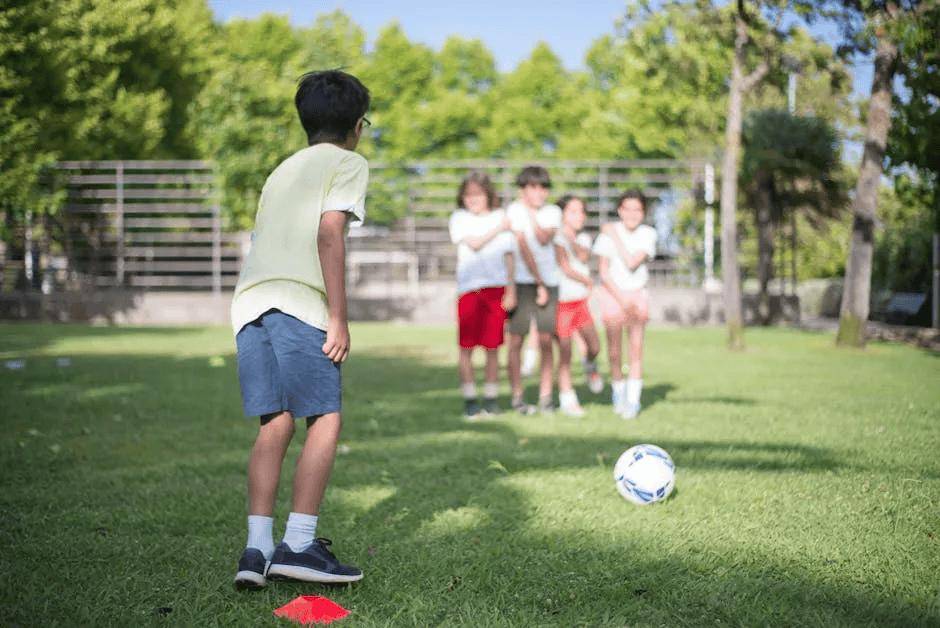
[(526, 310)]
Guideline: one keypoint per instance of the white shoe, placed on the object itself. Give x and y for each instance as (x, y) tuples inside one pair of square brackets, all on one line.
[(573, 410), (630, 411), (595, 383)]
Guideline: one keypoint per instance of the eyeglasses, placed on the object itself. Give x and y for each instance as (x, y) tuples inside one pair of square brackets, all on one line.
[(366, 121)]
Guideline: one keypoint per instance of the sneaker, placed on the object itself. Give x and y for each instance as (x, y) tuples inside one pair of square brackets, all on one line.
[(569, 405), (522, 407), (471, 409), (490, 406), (630, 411), (251, 569), (315, 564), (595, 383), (547, 405)]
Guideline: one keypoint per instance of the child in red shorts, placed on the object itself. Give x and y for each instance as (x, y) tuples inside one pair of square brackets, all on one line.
[(485, 265), (574, 315)]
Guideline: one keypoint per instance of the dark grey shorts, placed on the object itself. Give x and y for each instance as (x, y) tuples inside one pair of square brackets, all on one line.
[(526, 309), (281, 366)]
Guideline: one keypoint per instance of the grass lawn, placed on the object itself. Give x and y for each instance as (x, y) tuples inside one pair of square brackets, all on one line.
[(808, 487)]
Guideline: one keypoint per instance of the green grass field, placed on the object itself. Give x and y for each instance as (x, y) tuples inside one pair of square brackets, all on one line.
[(808, 487)]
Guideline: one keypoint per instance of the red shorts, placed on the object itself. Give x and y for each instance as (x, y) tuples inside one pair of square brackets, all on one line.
[(636, 312), (481, 318), (572, 316)]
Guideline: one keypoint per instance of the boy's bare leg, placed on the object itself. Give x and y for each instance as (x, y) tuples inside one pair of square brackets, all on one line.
[(564, 364), (264, 465), (316, 463), (547, 355), (515, 364)]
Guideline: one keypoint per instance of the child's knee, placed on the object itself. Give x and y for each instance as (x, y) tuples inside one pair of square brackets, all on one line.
[(278, 425), (332, 421)]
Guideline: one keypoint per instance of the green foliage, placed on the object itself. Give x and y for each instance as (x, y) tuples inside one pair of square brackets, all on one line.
[(902, 260)]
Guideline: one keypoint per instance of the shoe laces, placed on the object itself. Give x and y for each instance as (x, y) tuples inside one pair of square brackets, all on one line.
[(325, 545)]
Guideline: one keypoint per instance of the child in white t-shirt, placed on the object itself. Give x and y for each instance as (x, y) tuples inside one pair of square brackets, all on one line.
[(624, 247), (485, 287), (574, 315), (535, 224)]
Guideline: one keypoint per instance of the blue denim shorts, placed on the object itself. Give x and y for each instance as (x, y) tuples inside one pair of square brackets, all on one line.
[(281, 366)]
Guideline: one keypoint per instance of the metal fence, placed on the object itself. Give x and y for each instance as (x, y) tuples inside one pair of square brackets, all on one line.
[(147, 224), (157, 225)]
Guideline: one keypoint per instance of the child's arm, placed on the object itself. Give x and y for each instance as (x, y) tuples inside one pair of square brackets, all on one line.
[(542, 234), (331, 245), (582, 252), (632, 260), (562, 256), (509, 297), (604, 268), (478, 242), (527, 257)]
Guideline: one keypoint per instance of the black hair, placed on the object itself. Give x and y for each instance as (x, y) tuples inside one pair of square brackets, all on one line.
[(534, 175), (634, 194), (567, 198), (330, 103), (481, 179)]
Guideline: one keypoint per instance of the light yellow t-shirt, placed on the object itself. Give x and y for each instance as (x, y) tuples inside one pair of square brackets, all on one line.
[(282, 269)]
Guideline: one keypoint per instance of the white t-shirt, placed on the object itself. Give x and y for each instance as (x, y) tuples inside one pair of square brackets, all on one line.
[(548, 217), (570, 289), (485, 268), (643, 238)]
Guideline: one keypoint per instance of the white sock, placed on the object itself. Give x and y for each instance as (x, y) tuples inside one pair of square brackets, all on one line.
[(634, 389), (469, 390), (568, 398), (490, 390), (260, 534), (618, 388), (300, 532)]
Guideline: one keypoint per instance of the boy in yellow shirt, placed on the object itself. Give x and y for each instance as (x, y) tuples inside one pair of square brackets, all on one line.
[(289, 317)]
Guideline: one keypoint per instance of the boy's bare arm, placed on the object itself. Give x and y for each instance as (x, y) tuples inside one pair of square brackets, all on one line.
[(331, 246), (528, 258), (542, 234), (509, 296)]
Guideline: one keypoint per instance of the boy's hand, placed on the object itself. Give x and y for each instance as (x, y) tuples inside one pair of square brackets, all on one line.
[(337, 341), (509, 299), (607, 228), (589, 283), (541, 295)]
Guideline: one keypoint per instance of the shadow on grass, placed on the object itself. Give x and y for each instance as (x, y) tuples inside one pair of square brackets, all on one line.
[(445, 536)]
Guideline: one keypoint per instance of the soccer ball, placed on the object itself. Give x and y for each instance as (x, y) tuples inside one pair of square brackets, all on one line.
[(645, 474)]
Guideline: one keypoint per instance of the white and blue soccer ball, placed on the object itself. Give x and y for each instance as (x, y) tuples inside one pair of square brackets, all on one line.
[(645, 474)]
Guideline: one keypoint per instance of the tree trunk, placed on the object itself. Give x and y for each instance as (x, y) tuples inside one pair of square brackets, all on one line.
[(857, 289), (730, 272), (765, 246)]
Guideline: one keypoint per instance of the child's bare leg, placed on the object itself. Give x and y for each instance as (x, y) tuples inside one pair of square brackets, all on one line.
[(592, 344), (636, 351), (515, 363), (465, 366), (614, 346), (547, 355), (564, 365), (491, 374), (264, 465), (316, 463)]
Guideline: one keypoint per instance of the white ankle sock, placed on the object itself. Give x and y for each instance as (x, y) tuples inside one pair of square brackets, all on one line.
[(490, 390), (260, 534), (469, 390), (634, 390), (300, 532)]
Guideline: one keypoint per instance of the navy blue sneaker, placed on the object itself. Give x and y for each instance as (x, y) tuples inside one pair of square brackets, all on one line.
[(315, 564), (251, 569)]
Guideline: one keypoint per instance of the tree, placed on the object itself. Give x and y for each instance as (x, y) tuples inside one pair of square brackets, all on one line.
[(791, 163), (741, 83)]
